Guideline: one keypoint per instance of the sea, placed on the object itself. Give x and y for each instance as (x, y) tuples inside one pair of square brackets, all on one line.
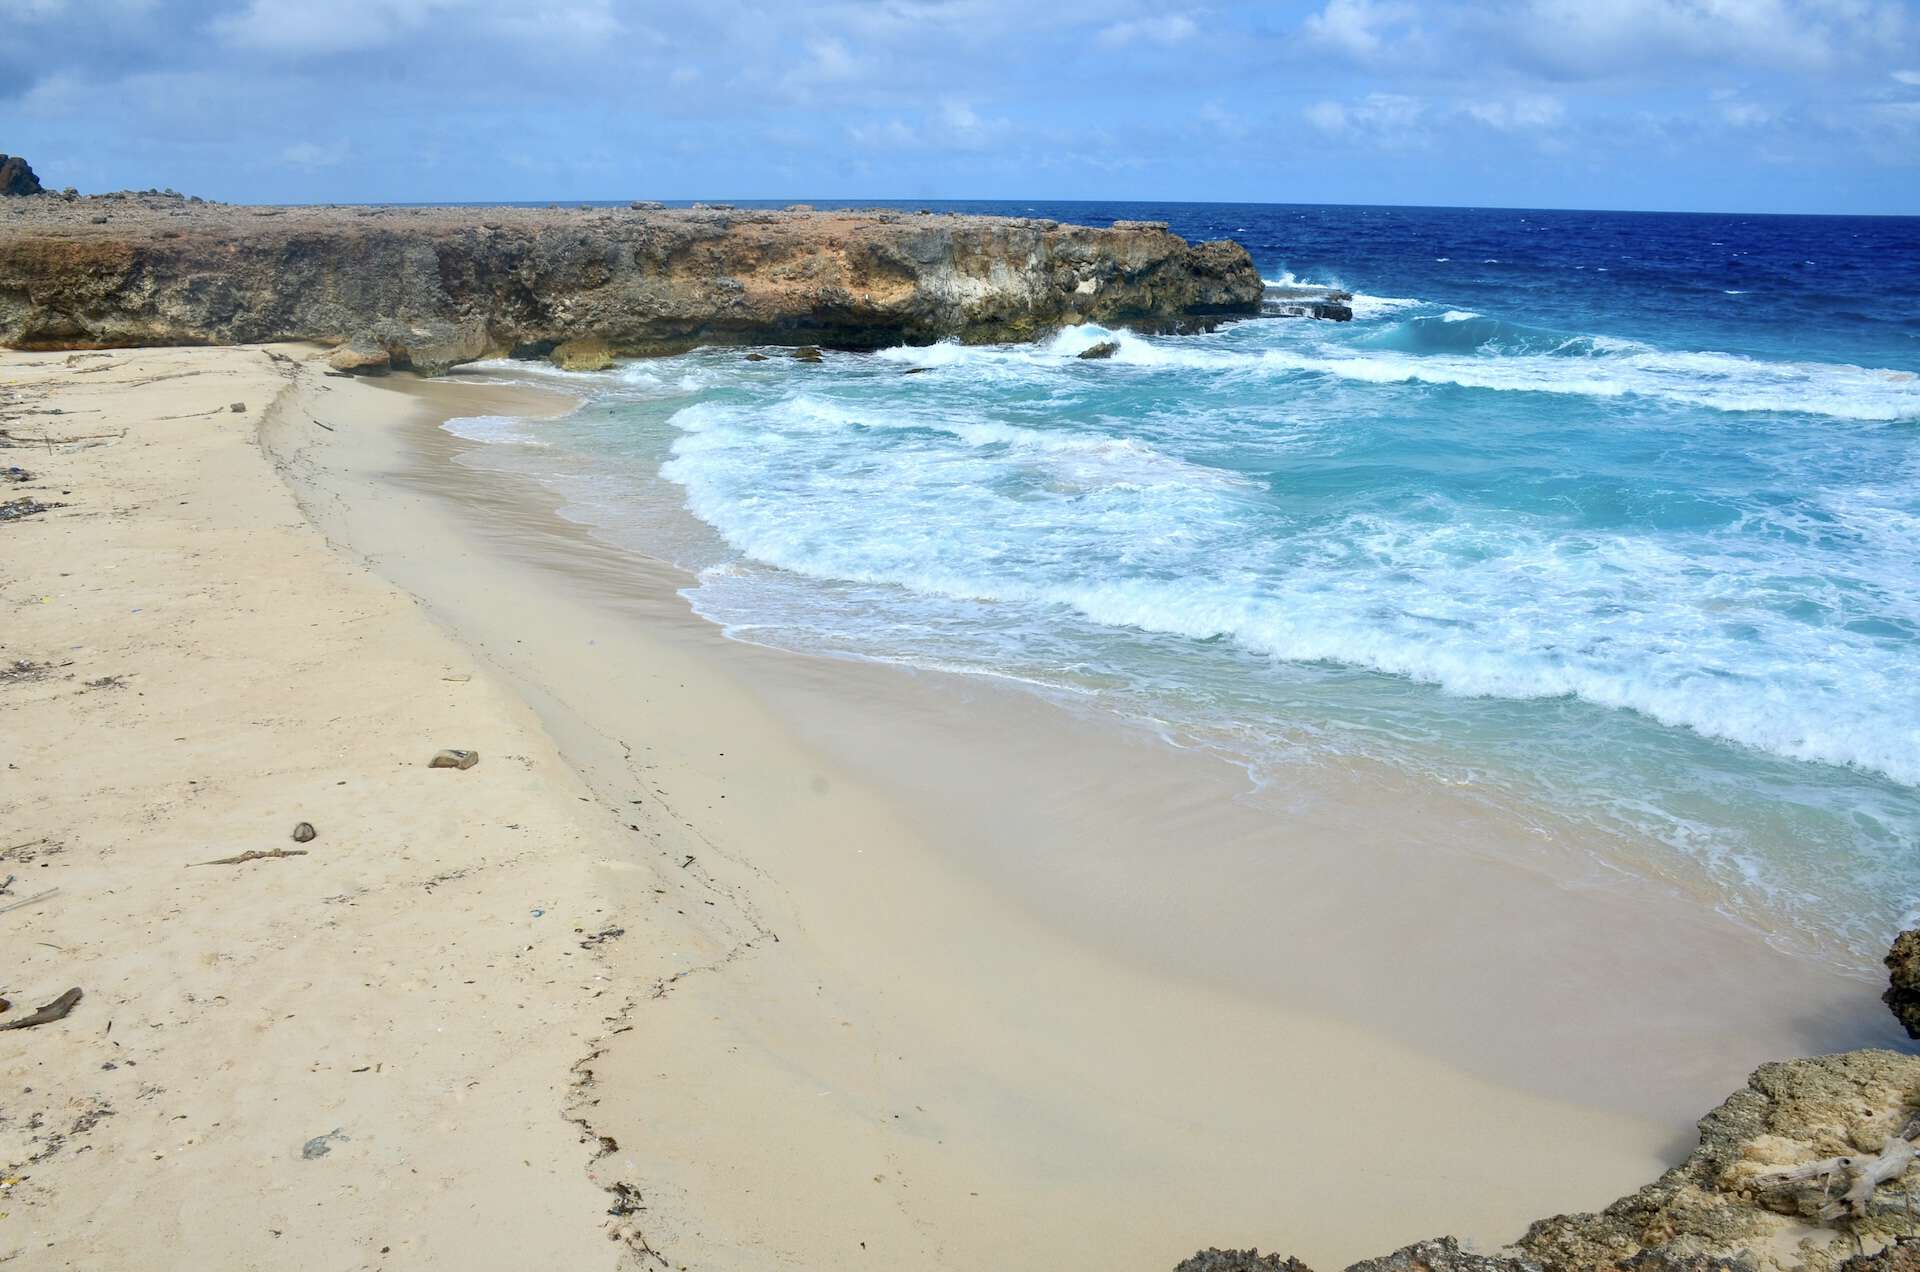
[(1608, 517)]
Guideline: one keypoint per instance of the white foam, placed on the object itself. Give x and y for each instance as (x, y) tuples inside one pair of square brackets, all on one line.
[(495, 430)]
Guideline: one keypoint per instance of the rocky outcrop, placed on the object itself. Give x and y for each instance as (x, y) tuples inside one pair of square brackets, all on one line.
[(435, 287), (1903, 974), (16, 177)]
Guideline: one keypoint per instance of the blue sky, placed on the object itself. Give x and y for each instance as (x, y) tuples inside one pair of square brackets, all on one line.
[(1753, 105)]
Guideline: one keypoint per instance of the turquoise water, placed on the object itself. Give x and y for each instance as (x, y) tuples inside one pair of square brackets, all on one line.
[(1607, 554)]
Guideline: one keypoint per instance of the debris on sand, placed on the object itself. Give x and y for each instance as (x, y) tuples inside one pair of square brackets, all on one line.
[(55, 1010)]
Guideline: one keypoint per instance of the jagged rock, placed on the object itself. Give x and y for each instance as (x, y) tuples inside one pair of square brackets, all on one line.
[(807, 353), (1901, 1256), (16, 177), (1105, 349), (454, 759), (756, 357), (1442, 1254), (438, 286), (1211, 1260), (646, 205), (1331, 311), (590, 353), (362, 355), (1903, 970), (1711, 1205), (799, 207)]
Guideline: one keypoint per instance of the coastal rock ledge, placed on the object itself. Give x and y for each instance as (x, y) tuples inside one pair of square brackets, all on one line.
[(434, 287)]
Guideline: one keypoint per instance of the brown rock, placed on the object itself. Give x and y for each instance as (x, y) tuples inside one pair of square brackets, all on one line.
[(1211, 1260), (361, 356), (1903, 971), (590, 353), (1442, 1254), (16, 177), (454, 759), (1105, 349), (435, 287)]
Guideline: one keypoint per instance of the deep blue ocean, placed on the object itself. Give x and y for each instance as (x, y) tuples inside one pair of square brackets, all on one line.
[(1610, 519)]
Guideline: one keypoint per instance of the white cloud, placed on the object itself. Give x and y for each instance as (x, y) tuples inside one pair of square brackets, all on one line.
[(312, 156), (1174, 28), (299, 27), (1910, 78), (1391, 117), (1354, 27), (1576, 38), (1524, 112), (1741, 114), (891, 134)]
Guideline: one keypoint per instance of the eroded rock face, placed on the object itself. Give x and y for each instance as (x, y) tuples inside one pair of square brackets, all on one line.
[(1903, 974), (16, 177), (437, 286)]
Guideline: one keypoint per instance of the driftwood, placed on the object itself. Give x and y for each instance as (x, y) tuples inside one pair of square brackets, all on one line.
[(55, 1010), (1862, 1175), (251, 854), (35, 898)]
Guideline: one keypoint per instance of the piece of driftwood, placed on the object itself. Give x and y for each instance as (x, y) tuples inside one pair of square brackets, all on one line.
[(1862, 1176), (251, 854), (36, 897), (55, 1010)]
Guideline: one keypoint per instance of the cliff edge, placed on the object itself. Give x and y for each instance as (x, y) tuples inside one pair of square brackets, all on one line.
[(433, 287)]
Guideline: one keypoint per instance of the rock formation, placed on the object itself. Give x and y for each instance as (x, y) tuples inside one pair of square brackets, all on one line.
[(436, 287), (16, 177), (1903, 971)]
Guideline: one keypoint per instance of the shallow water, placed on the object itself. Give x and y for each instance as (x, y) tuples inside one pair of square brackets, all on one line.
[(1608, 520)]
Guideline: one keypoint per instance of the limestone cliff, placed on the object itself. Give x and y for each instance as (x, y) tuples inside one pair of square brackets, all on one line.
[(433, 287)]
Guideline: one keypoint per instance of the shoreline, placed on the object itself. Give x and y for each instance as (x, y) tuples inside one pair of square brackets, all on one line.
[(827, 903), (707, 929)]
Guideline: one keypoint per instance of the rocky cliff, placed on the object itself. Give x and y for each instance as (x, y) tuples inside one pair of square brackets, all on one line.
[(433, 287)]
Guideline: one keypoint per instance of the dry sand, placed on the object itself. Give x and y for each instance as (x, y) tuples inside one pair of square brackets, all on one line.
[(823, 1035)]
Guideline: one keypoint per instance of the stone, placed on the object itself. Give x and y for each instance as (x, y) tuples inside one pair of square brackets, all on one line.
[(756, 357), (1211, 1260), (454, 759), (799, 207), (1442, 1254), (361, 355), (807, 353), (238, 408), (433, 347), (647, 205), (589, 353), (304, 833), (1903, 971), (16, 177), (1105, 349), (1331, 311)]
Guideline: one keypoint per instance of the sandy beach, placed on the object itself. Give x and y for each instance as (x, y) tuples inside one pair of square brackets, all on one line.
[(716, 951)]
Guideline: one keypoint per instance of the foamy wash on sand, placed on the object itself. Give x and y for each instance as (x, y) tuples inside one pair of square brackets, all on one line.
[(1611, 520)]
